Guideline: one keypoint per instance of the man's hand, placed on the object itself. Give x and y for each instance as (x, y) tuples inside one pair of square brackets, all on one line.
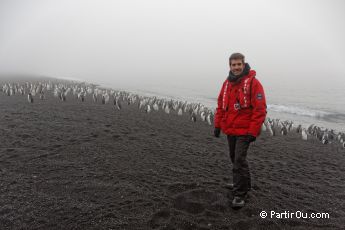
[(251, 138), (216, 132)]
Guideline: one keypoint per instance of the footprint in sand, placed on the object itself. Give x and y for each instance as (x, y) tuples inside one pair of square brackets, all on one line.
[(116, 136), (183, 204), (198, 200), (160, 218), (95, 135), (186, 135), (180, 187), (24, 135), (57, 145), (133, 138)]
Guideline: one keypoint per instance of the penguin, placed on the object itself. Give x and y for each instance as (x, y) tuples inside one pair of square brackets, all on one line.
[(299, 129), (290, 126), (304, 134), (271, 130), (42, 96), (319, 135), (284, 130), (331, 135), (193, 117), (30, 98), (62, 94), (94, 97), (263, 127), (117, 103), (209, 118), (310, 128), (325, 139), (63, 97), (338, 136), (155, 106), (129, 101), (106, 98), (148, 109), (141, 104), (203, 116), (167, 109), (179, 112)]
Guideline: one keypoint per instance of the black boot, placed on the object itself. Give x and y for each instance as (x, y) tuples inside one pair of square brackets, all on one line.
[(238, 202)]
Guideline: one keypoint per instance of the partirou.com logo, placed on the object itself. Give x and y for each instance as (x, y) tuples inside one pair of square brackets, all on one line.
[(290, 215)]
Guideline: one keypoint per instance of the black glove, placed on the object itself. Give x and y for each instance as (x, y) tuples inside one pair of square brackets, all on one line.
[(250, 138), (216, 132)]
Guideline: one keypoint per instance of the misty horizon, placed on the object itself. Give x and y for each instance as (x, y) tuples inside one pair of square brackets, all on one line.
[(173, 42)]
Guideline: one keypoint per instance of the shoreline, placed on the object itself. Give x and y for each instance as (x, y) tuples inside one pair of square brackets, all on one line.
[(305, 121)]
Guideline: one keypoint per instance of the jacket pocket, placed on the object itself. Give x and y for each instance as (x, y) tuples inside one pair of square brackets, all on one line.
[(240, 123), (243, 119)]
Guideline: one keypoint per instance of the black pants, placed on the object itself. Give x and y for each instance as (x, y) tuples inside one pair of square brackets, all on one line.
[(238, 146)]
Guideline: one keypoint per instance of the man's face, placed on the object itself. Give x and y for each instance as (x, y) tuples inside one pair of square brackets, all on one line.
[(236, 66)]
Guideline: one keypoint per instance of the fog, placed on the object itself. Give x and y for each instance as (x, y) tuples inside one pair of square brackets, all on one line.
[(175, 43)]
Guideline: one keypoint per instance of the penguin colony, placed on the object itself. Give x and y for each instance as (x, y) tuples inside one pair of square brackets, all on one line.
[(196, 111), (325, 136)]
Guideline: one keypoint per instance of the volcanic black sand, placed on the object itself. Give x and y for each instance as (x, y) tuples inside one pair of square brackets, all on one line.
[(81, 165)]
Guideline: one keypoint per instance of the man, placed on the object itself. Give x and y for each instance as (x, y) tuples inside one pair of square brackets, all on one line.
[(240, 114)]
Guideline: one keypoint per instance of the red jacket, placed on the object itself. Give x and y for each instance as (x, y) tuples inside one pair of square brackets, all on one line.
[(241, 106)]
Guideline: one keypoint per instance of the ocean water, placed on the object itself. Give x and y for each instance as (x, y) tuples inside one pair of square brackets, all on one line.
[(321, 105)]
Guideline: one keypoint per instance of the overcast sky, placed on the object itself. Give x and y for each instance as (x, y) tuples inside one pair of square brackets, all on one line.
[(174, 42)]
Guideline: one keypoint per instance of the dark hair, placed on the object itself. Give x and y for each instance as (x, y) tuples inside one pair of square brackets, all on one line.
[(236, 56)]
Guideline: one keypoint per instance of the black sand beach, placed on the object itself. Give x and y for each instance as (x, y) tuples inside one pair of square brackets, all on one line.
[(74, 165)]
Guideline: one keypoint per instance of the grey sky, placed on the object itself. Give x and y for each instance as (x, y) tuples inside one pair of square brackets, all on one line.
[(174, 42)]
